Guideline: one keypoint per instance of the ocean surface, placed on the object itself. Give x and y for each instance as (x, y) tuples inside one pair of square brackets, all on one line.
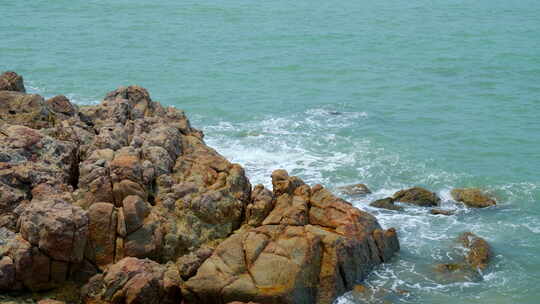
[(393, 94)]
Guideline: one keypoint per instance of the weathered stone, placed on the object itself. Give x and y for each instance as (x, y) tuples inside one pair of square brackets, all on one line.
[(11, 81), (28, 110), (134, 281), (472, 197), (135, 210), (100, 248), (260, 206), (7, 273), (56, 227), (386, 203), (417, 196), (61, 104)]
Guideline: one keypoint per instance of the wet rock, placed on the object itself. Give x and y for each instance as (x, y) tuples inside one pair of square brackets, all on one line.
[(441, 212), (386, 203), (417, 196), (376, 295), (355, 190), (132, 281), (456, 272), (472, 197), (11, 81), (479, 251)]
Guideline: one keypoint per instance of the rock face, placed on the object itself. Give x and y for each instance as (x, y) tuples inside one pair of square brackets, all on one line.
[(417, 196), (310, 248), (126, 199), (472, 197)]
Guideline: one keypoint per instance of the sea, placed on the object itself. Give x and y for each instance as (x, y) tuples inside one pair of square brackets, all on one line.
[(393, 94)]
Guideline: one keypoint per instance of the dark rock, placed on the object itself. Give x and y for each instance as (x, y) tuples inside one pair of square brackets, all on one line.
[(417, 196), (386, 203), (441, 212)]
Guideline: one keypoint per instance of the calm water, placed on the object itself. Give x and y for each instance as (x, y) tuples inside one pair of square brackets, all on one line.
[(389, 93)]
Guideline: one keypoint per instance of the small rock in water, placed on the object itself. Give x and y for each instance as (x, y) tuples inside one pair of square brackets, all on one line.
[(417, 196), (386, 203), (441, 212), (334, 113), (472, 197), (356, 189), (479, 251)]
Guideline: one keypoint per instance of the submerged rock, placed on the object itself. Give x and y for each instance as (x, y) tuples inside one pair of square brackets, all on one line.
[(357, 189), (472, 197), (386, 203), (417, 196), (441, 212)]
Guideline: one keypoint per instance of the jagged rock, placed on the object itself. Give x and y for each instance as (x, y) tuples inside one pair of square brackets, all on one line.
[(479, 251), (417, 196), (472, 197), (11, 81), (134, 281), (311, 248), (441, 212), (386, 203), (355, 190)]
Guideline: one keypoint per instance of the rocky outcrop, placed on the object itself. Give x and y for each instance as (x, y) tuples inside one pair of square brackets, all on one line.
[(10, 81), (441, 212), (473, 197), (386, 203), (126, 199), (310, 248), (355, 190), (417, 196)]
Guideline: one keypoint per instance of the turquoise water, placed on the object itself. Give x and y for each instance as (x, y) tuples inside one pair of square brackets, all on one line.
[(393, 94)]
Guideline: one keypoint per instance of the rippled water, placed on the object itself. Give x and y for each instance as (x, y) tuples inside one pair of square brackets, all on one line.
[(393, 94)]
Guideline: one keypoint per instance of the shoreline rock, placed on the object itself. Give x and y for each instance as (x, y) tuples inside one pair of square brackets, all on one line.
[(472, 197), (126, 199), (417, 196)]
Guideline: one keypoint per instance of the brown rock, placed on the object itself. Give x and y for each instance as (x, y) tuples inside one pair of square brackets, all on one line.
[(260, 206), (58, 228), (100, 248), (28, 110), (472, 197), (310, 258), (355, 190), (417, 196), (479, 251), (386, 203), (7, 273), (61, 104), (11, 81), (134, 281)]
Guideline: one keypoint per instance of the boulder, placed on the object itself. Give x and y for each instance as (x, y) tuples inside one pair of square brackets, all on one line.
[(61, 104), (11, 81), (311, 248), (355, 190), (472, 197), (417, 196), (28, 110), (386, 203), (134, 281)]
